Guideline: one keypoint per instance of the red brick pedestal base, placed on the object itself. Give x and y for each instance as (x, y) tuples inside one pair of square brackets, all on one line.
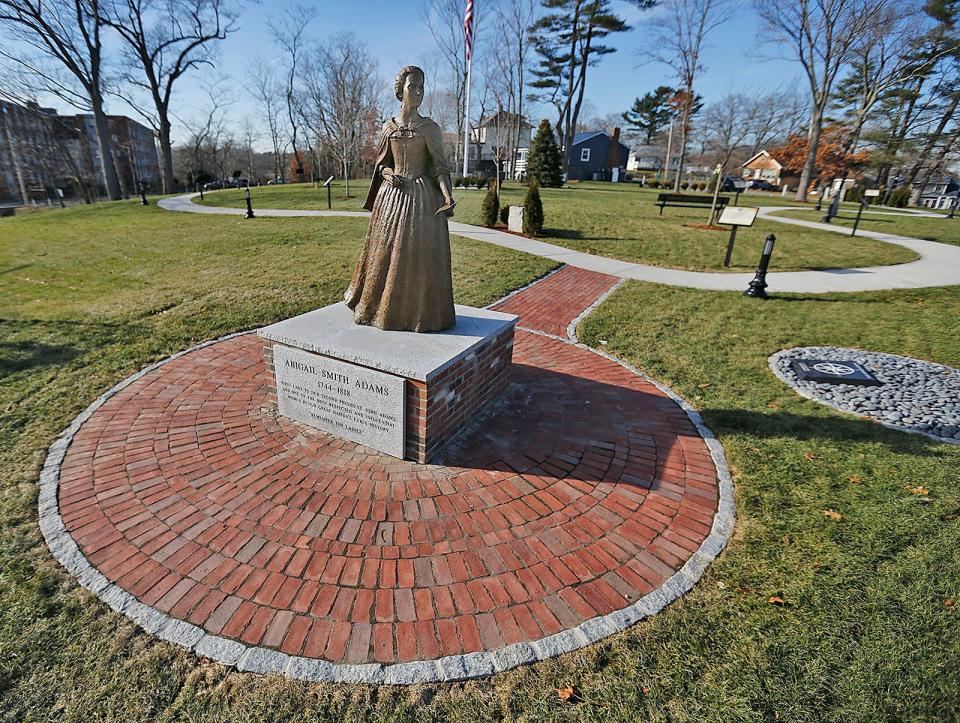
[(438, 407)]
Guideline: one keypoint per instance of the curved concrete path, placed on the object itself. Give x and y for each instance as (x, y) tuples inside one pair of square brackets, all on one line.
[(938, 265)]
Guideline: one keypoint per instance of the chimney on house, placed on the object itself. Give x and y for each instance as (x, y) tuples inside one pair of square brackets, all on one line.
[(613, 152)]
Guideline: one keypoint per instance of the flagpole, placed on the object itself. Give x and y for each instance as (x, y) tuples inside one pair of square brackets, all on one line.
[(466, 105)]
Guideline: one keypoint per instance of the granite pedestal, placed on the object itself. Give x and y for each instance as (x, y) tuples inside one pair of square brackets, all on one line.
[(402, 393)]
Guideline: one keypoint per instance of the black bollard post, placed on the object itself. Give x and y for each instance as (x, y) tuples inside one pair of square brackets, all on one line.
[(329, 196), (200, 188), (758, 285), (953, 207), (143, 194), (733, 237), (246, 193), (736, 199)]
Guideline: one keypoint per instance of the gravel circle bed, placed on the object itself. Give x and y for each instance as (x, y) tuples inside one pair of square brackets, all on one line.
[(915, 396)]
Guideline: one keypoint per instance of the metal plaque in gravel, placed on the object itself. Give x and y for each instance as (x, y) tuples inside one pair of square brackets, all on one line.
[(833, 371), (911, 395)]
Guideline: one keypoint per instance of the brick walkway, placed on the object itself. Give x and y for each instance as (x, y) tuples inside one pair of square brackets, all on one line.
[(588, 490), (551, 304)]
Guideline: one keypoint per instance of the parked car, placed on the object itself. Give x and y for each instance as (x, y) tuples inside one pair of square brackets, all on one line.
[(731, 184), (238, 182), (758, 185), (276, 181), (213, 186)]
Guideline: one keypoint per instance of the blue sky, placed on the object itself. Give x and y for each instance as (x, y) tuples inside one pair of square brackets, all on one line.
[(396, 34)]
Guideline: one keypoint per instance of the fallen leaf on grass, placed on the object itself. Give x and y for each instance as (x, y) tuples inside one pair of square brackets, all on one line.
[(777, 600), (773, 405), (645, 690), (950, 604), (855, 479), (566, 693), (810, 455), (832, 514), (702, 386), (917, 490)]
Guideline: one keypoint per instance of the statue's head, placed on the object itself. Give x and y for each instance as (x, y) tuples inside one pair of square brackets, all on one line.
[(409, 86)]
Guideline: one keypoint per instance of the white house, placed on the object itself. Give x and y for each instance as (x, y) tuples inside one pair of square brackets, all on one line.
[(491, 139)]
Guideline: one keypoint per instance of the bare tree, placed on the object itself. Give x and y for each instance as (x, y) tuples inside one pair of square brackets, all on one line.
[(512, 18), (166, 38), (677, 42), (821, 35), (67, 60), (341, 84), (208, 129), (268, 94), (288, 33), (741, 125)]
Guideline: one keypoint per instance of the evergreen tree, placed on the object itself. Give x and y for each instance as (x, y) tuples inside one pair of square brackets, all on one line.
[(490, 208), (543, 163), (533, 211), (651, 113)]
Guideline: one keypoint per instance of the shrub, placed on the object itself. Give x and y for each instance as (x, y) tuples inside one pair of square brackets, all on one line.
[(490, 208), (533, 211), (653, 184), (899, 197), (684, 186), (482, 182), (505, 215), (544, 162)]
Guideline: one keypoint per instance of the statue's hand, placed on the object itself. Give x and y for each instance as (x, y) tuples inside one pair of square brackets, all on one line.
[(392, 178)]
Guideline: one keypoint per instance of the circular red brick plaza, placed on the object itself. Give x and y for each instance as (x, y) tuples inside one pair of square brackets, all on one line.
[(587, 488)]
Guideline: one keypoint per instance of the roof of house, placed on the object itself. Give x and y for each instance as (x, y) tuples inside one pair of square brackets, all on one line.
[(504, 117), (581, 137), (761, 154)]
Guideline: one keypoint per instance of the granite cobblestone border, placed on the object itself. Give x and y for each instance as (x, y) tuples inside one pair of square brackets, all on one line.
[(450, 668), (937, 400)]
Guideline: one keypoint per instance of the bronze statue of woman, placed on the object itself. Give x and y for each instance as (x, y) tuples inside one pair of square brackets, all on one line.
[(402, 280)]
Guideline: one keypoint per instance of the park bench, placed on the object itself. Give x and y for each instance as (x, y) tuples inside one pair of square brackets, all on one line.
[(686, 200), (7, 211)]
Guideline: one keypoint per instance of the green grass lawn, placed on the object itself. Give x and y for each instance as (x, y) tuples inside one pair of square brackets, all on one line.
[(620, 221), (946, 230), (90, 295)]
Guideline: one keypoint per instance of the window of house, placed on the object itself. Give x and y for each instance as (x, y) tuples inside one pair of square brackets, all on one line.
[(584, 155)]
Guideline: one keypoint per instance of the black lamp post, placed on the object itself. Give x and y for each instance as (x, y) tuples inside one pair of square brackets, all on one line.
[(246, 193), (953, 206), (758, 285), (143, 194)]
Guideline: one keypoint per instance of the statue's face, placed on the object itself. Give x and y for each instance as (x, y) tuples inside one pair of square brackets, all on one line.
[(413, 90)]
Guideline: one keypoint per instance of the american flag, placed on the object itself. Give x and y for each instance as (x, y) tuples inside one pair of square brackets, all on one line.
[(468, 27)]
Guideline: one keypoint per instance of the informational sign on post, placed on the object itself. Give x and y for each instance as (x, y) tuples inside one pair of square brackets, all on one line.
[(736, 216), (872, 192)]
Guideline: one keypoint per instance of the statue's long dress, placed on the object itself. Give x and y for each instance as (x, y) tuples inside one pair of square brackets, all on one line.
[(403, 281)]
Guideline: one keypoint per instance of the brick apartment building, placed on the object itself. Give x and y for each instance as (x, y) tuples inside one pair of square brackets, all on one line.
[(41, 151)]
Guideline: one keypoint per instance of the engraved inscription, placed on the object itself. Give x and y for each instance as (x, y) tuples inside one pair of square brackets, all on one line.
[(346, 400)]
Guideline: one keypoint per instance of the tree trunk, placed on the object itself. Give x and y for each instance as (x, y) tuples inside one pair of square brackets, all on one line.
[(105, 144), (813, 142), (166, 156), (683, 140)]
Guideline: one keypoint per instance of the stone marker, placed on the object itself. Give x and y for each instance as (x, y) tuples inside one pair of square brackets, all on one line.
[(515, 219)]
